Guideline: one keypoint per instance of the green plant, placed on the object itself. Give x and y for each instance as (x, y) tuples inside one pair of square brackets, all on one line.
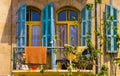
[(42, 70), (89, 6), (103, 71), (62, 74), (69, 74), (116, 62)]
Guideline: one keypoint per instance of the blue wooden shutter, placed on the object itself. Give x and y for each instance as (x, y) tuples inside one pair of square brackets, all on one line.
[(111, 43), (85, 25), (48, 30), (48, 25), (21, 26)]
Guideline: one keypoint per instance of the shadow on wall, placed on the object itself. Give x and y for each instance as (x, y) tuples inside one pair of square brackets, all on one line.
[(6, 36)]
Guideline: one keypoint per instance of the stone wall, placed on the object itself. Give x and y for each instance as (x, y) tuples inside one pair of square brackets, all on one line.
[(5, 36)]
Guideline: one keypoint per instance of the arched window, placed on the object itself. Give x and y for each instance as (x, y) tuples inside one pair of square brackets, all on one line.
[(33, 14), (33, 26), (67, 15), (30, 32), (28, 26), (67, 20)]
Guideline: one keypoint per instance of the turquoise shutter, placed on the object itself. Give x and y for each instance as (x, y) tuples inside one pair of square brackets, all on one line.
[(85, 26), (21, 26), (48, 30), (48, 25), (111, 43)]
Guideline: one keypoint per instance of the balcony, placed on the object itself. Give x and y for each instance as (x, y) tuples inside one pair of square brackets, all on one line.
[(82, 66)]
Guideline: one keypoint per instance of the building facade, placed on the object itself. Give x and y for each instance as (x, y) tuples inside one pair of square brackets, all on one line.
[(36, 22)]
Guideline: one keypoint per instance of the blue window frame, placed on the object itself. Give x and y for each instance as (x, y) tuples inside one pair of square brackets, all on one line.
[(85, 25), (111, 18)]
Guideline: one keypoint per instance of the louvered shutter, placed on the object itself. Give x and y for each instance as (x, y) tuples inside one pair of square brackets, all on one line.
[(85, 25), (111, 20), (21, 26), (48, 30)]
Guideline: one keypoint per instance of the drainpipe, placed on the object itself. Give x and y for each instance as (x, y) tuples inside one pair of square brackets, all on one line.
[(111, 58), (96, 38), (111, 2)]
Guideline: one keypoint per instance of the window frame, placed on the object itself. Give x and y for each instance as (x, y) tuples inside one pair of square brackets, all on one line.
[(69, 22), (31, 23)]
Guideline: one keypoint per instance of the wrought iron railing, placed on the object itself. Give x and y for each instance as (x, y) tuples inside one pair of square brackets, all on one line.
[(19, 59)]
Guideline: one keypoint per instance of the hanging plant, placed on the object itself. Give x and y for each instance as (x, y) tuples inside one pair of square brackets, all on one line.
[(89, 6)]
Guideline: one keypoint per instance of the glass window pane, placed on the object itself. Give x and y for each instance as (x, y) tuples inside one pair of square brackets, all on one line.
[(35, 16), (61, 34), (73, 15), (74, 35), (35, 35), (62, 16)]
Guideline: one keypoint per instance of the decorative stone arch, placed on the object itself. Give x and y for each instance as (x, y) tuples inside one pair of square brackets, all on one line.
[(79, 4)]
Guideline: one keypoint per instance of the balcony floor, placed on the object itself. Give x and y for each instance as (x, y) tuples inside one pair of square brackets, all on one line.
[(50, 72)]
